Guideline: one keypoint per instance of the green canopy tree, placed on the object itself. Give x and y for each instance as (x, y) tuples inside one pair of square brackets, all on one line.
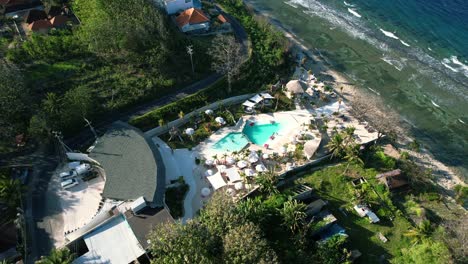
[(336, 145), (267, 182), (332, 251), (426, 252), (245, 244), (121, 26), (58, 256), (220, 214), (10, 192), (15, 100), (189, 243)]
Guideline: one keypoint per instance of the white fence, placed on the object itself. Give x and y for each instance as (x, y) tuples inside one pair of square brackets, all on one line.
[(181, 121)]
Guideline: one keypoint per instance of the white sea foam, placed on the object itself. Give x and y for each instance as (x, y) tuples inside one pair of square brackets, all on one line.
[(463, 66), (429, 49), (394, 62), (461, 121), (291, 4), (449, 67), (389, 34), (436, 105), (404, 43), (356, 14), (348, 4)]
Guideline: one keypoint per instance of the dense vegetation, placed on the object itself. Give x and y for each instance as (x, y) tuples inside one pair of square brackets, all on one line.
[(257, 230), (122, 53), (269, 60)]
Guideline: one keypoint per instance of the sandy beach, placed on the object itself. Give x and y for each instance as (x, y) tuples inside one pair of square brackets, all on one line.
[(444, 176)]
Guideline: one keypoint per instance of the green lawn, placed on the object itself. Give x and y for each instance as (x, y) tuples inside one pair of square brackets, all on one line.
[(338, 191)]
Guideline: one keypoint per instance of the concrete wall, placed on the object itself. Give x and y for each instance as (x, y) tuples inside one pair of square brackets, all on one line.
[(181, 121)]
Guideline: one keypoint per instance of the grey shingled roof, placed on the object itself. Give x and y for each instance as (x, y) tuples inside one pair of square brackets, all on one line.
[(132, 164)]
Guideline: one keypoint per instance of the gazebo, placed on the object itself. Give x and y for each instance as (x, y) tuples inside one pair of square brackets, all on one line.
[(295, 87)]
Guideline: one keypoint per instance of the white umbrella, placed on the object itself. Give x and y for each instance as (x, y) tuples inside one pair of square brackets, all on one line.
[(220, 120), (242, 164), (230, 192), (249, 172), (209, 112), (209, 162), (260, 168), (283, 150), (222, 168), (238, 186), (265, 156), (205, 191), (293, 140), (230, 160), (253, 158), (209, 172), (189, 131)]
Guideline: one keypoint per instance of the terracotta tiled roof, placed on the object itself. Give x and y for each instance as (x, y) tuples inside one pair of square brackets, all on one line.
[(35, 15), (39, 24), (191, 16), (59, 20), (222, 19)]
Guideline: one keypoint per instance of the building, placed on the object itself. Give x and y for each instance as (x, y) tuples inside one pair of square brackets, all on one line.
[(392, 179), (193, 20), (117, 237), (40, 26), (34, 15), (176, 6), (132, 165), (363, 211)]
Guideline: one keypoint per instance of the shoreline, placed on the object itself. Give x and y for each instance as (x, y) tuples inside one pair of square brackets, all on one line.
[(444, 176)]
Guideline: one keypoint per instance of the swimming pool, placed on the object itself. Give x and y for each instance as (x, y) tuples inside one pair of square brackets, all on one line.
[(260, 133), (231, 142)]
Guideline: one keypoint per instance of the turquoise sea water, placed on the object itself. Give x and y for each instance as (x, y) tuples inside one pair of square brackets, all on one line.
[(231, 142), (259, 134), (412, 53)]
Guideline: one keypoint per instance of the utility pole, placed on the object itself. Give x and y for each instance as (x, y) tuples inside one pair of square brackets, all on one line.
[(190, 52), (88, 124), (59, 137), (16, 26)]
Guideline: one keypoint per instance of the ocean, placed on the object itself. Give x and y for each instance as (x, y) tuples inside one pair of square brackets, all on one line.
[(412, 53)]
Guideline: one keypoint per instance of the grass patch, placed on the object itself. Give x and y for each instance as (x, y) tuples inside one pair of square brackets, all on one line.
[(332, 186)]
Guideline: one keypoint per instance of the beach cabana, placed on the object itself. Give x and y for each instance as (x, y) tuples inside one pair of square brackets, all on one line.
[(267, 98), (230, 160), (205, 192), (249, 172), (216, 181), (209, 112), (233, 175), (238, 186), (209, 162), (242, 164), (260, 168), (248, 106), (295, 87), (256, 99), (310, 147)]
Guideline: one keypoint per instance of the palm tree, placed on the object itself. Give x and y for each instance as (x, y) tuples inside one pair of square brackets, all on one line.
[(58, 256), (352, 156), (293, 214), (421, 232), (215, 158), (181, 114), (336, 145), (225, 155), (267, 182), (10, 192)]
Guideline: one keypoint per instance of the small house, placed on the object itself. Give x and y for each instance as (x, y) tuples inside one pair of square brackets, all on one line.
[(363, 211), (392, 179), (193, 20), (315, 207), (223, 21)]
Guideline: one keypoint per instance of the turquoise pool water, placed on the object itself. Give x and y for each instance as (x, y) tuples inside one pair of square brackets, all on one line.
[(231, 142), (260, 133)]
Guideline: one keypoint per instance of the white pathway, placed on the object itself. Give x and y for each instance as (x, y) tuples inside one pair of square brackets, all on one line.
[(180, 162)]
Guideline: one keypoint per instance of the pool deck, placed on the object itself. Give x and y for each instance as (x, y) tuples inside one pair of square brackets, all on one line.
[(291, 123)]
